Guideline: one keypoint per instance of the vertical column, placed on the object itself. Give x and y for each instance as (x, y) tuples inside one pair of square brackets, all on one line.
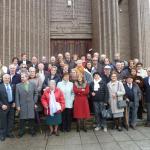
[(106, 26), (140, 30)]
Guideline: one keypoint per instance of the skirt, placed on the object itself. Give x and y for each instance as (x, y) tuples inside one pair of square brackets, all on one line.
[(118, 115), (54, 120)]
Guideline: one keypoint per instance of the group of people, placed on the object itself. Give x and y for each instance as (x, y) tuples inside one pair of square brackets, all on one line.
[(71, 87)]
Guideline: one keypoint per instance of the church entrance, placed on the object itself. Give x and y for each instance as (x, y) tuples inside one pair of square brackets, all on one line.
[(79, 47)]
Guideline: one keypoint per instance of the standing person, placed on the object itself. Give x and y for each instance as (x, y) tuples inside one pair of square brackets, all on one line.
[(81, 106), (3, 70), (67, 88), (45, 63), (99, 94), (26, 99), (69, 61), (116, 93), (133, 94), (54, 103), (147, 96), (7, 106), (24, 60)]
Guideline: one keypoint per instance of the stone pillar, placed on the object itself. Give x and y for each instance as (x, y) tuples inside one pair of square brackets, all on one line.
[(24, 27), (105, 14), (140, 30)]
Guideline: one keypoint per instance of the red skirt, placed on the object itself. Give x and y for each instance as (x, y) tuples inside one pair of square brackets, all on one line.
[(81, 107)]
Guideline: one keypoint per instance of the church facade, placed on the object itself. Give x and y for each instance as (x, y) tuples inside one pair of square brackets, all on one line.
[(48, 27)]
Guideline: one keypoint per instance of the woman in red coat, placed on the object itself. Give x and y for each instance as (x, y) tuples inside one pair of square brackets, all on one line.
[(54, 103), (81, 106)]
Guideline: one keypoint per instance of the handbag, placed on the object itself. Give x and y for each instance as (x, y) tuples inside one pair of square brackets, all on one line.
[(121, 103), (106, 113)]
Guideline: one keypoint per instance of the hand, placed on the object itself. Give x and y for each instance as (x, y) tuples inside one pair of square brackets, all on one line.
[(18, 108), (83, 89), (13, 105), (114, 96), (93, 94), (45, 88), (4, 107), (35, 106)]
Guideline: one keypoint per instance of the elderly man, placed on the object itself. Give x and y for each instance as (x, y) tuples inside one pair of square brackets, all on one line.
[(7, 105), (26, 99), (147, 94)]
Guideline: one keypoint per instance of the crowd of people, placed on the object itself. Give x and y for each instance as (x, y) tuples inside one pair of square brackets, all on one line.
[(71, 87)]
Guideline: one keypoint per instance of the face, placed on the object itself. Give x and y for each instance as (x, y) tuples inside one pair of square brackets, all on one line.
[(52, 85), (95, 60), (32, 73), (80, 79), (96, 55), (66, 77), (53, 59), (60, 56), (89, 65), (53, 71), (117, 56), (15, 61), (40, 66), (114, 77), (129, 80), (83, 58), (24, 78), (88, 56), (6, 79), (44, 60), (148, 72), (118, 66), (133, 72), (106, 61), (12, 69), (79, 63), (67, 55), (139, 67), (24, 57), (107, 71), (34, 60), (131, 64), (96, 77)]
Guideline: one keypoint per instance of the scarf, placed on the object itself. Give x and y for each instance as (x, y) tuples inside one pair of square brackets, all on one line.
[(96, 84), (53, 105)]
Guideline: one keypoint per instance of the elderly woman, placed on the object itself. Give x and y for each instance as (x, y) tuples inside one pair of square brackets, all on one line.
[(99, 95), (54, 103), (81, 106), (116, 93), (26, 99), (67, 88)]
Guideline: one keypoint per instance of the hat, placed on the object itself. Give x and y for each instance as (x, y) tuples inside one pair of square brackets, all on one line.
[(96, 73), (107, 67)]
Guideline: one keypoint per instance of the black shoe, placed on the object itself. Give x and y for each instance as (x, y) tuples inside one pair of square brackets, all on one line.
[(84, 129), (50, 133), (147, 124), (21, 134), (57, 133), (119, 129), (10, 135), (2, 138), (133, 127)]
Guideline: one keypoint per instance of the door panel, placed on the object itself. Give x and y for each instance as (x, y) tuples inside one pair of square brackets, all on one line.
[(79, 47)]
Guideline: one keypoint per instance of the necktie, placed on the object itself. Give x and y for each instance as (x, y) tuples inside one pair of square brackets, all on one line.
[(9, 93)]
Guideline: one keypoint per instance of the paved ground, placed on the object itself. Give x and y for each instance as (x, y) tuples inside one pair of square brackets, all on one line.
[(113, 140)]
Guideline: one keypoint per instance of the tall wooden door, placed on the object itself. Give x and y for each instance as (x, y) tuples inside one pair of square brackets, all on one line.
[(79, 47)]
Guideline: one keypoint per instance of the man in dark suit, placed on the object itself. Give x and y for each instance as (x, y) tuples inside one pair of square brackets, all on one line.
[(24, 60), (133, 93), (15, 78), (147, 95), (34, 62), (7, 106)]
